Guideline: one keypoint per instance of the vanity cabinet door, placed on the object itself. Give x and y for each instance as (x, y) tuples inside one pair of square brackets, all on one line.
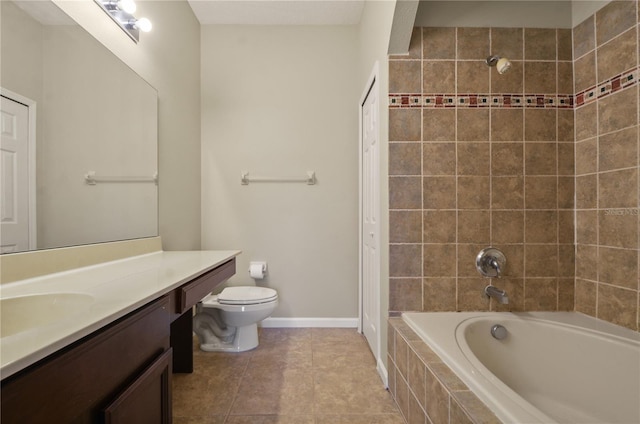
[(75, 384), (147, 400)]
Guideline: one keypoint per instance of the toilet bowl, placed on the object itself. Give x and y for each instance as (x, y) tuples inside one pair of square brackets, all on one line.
[(228, 322)]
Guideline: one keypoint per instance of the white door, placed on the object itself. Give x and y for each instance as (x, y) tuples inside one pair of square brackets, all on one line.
[(14, 177), (370, 236)]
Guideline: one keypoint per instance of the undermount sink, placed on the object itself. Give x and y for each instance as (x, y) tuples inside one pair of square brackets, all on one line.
[(18, 314)]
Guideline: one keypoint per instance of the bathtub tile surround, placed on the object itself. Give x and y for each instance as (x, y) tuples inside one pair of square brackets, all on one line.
[(420, 381), (607, 165), (496, 169), (496, 159)]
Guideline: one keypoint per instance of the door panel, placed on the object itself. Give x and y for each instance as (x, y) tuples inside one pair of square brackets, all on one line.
[(14, 176)]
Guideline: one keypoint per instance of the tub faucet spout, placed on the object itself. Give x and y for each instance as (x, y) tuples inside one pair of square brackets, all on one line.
[(497, 294)]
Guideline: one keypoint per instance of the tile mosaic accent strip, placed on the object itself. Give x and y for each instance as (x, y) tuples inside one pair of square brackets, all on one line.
[(617, 83), (547, 101)]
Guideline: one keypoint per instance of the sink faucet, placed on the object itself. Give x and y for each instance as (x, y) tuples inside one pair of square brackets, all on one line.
[(497, 294)]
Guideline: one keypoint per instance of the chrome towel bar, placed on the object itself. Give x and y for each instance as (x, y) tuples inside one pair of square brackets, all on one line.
[(92, 179), (310, 179)]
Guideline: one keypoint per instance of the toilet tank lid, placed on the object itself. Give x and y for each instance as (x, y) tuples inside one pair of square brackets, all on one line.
[(246, 294)]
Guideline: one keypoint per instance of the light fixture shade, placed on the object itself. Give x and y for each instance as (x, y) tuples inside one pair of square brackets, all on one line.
[(128, 6), (143, 24)]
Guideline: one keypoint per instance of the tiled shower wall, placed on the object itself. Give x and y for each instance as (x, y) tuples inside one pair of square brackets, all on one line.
[(606, 69), (479, 159)]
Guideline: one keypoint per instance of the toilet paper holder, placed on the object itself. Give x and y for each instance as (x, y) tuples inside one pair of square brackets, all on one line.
[(257, 270)]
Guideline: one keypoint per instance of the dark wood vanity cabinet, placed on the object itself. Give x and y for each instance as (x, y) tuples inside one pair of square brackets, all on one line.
[(120, 374)]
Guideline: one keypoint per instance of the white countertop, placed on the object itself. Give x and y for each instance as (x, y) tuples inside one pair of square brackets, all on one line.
[(117, 288)]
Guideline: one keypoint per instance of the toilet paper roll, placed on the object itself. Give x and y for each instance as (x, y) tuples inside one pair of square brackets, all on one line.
[(256, 270)]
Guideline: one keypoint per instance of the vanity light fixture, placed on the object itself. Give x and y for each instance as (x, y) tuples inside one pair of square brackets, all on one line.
[(121, 11)]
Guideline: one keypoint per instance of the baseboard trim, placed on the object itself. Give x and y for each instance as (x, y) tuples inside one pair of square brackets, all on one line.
[(309, 322)]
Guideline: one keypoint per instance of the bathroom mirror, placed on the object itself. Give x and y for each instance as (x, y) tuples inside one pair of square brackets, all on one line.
[(79, 110)]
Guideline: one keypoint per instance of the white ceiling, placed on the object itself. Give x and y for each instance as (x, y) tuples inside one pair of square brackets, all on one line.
[(278, 12)]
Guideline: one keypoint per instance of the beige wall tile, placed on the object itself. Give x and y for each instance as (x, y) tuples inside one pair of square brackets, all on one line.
[(566, 159), (507, 42), (439, 260), (507, 227), (540, 77), (565, 78), (438, 125), (473, 192), (541, 260), (467, 253), (540, 44), (587, 262), (404, 76), (405, 226), (540, 158), (405, 159), (586, 121), (405, 260), (439, 227), (404, 124), (507, 124), (405, 193), (473, 43), (618, 149), (615, 18), (587, 191), (473, 159), (587, 156), (540, 125), (617, 305), (584, 37), (618, 267), (471, 294), (585, 297), (405, 294), (439, 43), (618, 55), (541, 192), (507, 192), (541, 227), (472, 77), (438, 76), (564, 44), (439, 294), (587, 227), (618, 230), (566, 128), (618, 111), (439, 192), (507, 159), (439, 159), (618, 189), (585, 72), (474, 226), (541, 294), (473, 124)]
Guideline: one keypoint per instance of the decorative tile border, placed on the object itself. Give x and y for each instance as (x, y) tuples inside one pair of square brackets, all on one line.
[(617, 83), (546, 101)]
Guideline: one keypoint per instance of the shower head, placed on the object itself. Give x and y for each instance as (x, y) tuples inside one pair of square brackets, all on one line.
[(502, 64)]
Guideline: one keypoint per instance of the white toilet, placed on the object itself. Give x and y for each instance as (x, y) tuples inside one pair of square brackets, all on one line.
[(228, 322)]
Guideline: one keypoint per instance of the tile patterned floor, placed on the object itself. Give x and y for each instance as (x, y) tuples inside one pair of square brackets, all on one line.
[(295, 376)]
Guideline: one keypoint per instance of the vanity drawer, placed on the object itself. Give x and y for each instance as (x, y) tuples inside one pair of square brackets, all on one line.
[(193, 292)]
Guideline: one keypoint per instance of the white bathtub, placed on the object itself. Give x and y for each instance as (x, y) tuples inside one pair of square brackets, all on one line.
[(553, 367)]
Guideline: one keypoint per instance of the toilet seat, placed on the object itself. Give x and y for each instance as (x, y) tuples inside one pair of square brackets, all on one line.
[(242, 295)]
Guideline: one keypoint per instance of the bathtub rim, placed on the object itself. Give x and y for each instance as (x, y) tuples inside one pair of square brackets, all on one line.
[(511, 407)]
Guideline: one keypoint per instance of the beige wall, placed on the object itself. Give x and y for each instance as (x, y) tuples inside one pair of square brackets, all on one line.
[(169, 59), (278, 101)]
